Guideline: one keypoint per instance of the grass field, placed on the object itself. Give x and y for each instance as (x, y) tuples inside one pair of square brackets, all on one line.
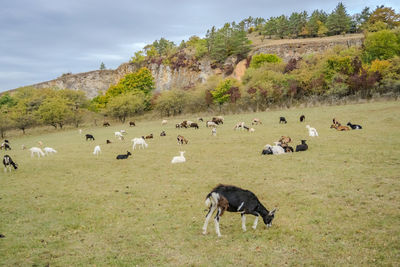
[(338, 203)]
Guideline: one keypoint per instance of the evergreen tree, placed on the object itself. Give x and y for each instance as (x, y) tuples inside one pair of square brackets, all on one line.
[(338, 21), (102, 66)]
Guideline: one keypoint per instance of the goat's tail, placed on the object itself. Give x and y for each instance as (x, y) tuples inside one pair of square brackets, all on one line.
[(208, 201)]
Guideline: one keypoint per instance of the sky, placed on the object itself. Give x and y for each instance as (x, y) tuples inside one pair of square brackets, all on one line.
[(42, 39)]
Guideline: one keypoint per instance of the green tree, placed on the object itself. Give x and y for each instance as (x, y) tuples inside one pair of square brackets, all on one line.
[(141, 80), (270, 27), (7, 100), (138, 57), (282, 26), (297, 21), (338, 21), (5, 120), (221, 93), (102, 66), (55, 111), (314, 23), (125, 105), (228, 41), (164, 47), (22, 116), (171, 102), (381, 45)]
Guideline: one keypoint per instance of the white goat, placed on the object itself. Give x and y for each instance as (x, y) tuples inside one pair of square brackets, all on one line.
[(49, 150), (123, 132), (252, 130), (119, 135), (139, 141), (80, 131), (211, 123), (214, 131), (96, 150), (276, 149), (179, 159), (312, 131), (37, 151), (239, 125), (164, 122)]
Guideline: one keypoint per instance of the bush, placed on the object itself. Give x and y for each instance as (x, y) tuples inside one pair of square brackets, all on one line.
[(258, 60)]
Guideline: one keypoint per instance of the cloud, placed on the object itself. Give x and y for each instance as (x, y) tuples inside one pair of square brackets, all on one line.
[(41, 39)]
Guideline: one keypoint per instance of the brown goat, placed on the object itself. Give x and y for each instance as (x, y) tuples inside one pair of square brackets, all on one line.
[(150, 136), (181, 139), (340, 127), (256, 121), (285, 140)]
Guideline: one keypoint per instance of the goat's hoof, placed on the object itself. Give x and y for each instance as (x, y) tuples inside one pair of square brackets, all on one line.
[(254, 227), (204, 232)]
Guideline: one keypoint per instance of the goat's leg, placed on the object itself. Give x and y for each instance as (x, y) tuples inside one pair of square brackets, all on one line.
[(243, 222), (216, 220), (255, 221), (208, 216)]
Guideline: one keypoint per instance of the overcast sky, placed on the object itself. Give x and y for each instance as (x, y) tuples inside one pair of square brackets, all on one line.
[(42, 39)]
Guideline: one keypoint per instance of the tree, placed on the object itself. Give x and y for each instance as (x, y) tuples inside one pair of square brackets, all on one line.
[(221, 93), (22, 117), (125, 105), (338, 21), (314, 23), (55, 111), (171, 102), (297, 22), (228, 41), (141, 80), (5, 120), (138, 57), (7, 100), (381, 45), (164, 47), (270, 27), (282, 26), (102, 66), (387, 15)]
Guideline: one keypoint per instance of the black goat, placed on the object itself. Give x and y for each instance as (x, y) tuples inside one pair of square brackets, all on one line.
[(354, 126), (8, 162), (282, 120), (234, 199), (89, 136), (132, 123), (124, 156), (302, 118), (163, 133), (302, 147), (267, 151), (108, 141), (106, 124), (194, 125)]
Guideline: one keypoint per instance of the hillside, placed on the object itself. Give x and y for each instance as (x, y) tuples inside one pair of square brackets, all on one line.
[(166, 78)]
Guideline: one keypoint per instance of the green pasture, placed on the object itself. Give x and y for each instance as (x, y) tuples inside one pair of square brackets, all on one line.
[(338, 203)]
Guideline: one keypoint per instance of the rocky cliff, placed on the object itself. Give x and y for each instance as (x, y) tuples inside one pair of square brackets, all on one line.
[(166, 78)]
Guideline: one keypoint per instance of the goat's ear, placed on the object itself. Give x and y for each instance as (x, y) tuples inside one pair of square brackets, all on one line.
[(272, 212)]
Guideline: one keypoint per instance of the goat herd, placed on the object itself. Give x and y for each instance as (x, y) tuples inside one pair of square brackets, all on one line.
[(223, 197)]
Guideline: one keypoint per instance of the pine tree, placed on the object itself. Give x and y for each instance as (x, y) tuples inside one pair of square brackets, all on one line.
[(102, 66), (338, 21)]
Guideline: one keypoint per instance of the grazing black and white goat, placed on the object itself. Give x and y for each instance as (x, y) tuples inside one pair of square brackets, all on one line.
[(302, 118), (8, 162), (163, 133), (234, 199), (302, 147), (282, 120), (124, 156), (89, 137), (5, 145), (354, 126)]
